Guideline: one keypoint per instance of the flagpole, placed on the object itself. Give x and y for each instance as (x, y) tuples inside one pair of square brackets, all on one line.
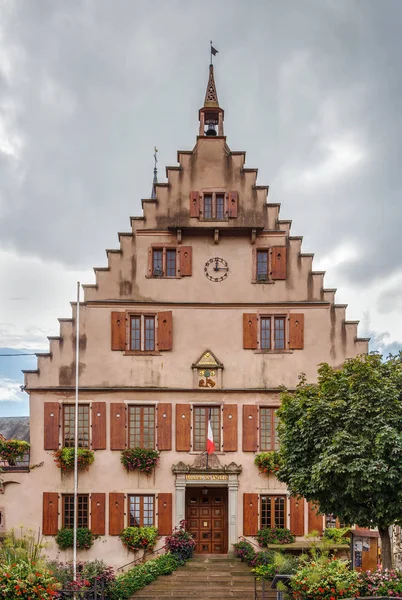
[(77, 362), (211, 53)]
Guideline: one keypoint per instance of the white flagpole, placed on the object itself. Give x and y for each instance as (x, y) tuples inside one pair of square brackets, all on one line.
[(77, 363)]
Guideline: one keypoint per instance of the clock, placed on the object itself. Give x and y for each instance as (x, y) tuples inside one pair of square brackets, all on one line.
[(216, 269)]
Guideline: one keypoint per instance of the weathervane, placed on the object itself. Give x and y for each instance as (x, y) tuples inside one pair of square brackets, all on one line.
[(155, 181), (214, 51)]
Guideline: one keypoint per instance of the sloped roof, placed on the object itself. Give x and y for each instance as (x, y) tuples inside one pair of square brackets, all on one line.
[(16, 428)]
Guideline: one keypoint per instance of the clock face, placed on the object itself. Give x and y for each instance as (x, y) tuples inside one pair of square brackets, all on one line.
[(216, 269)]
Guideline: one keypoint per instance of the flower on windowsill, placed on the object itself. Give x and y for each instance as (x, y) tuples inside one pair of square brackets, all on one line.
[(64, 458), (141, 459), (267, 462)]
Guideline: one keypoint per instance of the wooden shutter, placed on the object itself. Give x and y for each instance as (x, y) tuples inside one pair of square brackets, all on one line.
[(233, 205), (194, 204), (118, 330), (165, 330), (99, 425), (250, 428), (297, 515), (98, 504), (250, 514), (117, 426), (165, 525), (315, 521), (164, 426), (230, 428), (116, 513), (186, 261), (296, 332), (50, 513), (278, 262), (51, 424), (250, 328), (183, 427)]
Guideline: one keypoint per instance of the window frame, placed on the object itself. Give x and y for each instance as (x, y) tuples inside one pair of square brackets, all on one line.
[(131, 408), (143, 316), (273, 498), (164, 248), (218, 443), (141, 504), (71, 407), (70, 518), (262, 317), (214, 193), (274, 443)]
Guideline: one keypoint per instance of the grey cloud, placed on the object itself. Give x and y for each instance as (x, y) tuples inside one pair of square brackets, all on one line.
[(390, 300)]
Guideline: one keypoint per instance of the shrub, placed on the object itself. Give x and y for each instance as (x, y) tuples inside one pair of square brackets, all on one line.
[(381, 583), (88, 573), (139, 538), (268, 564), (25, 580), (64, 458), (337, 535), (141, 459), (180, 543), (324, 578), (24, 545), (274, 536), (12, 450), (65, 538), (267, 462), (141, 575), (244, 551)]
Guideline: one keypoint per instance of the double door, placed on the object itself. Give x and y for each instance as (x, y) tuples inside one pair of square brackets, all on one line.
[(206, 516)]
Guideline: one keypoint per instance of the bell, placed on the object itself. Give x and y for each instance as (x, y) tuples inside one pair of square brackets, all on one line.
[(211, 129)]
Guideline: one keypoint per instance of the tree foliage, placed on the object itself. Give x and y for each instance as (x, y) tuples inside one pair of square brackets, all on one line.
[(341, 441)]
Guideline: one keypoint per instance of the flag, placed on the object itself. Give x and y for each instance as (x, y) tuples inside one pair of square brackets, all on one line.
[(210, 439), (213, 51)]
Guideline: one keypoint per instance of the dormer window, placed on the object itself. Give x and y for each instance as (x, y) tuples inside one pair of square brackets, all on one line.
[(213, 205)]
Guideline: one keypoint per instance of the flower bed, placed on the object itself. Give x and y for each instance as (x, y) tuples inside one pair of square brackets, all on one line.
[(64, 458), (382, 582), (324, 578), (181, 543), (141, 459), (25, 580)]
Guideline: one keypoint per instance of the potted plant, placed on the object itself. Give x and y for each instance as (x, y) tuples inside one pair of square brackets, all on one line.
[(12, 450), (141, 459), (139, 538), (267, 462), (64, 458), (65, 538), (180, 543)]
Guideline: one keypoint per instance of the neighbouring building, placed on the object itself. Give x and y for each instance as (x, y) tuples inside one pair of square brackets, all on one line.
[(208, 307)]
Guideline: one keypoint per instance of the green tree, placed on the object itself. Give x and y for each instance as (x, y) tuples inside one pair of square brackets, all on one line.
[(341, 442)]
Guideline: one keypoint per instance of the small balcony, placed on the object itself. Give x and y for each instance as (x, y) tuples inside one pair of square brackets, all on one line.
[(18, 466)]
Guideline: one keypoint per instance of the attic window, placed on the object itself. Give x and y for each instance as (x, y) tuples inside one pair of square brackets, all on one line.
[(213, 206)]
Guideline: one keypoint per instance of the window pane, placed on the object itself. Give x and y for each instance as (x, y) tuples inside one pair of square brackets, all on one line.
[(265, 512), (215, 424), (68, 511), (157, 262), (207, 207), (148, 426), (141, 511), (275, 431), (265, 338), (279, 333), (220, 206), (262, 264), (148, 511), (149, 333), (69, 425), (135, 333), (200, 428), (82, 511), (266, 429), (134, 426), (134, 511), (279, 513), (171, 263), (141, 426)]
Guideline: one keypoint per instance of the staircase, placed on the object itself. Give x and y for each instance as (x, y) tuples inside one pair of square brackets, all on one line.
[(207, 578)]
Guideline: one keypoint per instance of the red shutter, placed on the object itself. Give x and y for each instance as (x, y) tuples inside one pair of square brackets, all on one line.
[(250, 428), (165, 330), (250, 331), (315, 521), (278, 262), (296, 332), (51, 423), (194, 204), (165, 525), (186, 257), (183, 427), (230, 428), (297, 515), (98, 504), (250, 514), (99, 425), (233, 202), (164, 426), (117, 426), (118, 331), (116, 513), (50, 513)]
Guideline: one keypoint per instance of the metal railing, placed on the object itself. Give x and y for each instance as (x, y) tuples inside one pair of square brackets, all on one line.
[(95, 593), (17, 466), (141, 559), (248, 541)]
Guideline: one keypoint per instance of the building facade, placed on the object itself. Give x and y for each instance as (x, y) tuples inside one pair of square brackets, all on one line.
[(207, 308)]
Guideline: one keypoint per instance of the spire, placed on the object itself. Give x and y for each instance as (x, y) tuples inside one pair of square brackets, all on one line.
[(211, 96), (155, 181), (211, 115)]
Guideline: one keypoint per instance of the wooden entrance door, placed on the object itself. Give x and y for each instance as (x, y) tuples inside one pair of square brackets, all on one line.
[(206, 516)]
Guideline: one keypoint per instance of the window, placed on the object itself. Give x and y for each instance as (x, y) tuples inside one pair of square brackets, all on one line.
[(141, 426), (170, 263), (220, 206), (332, 522), (164, 262), (262, 265), (272, 333), (207, 206), (68, 511), (157, 263), (142, 333), (201, 414), (268, 425), (214, 206), (141, 511), (69, 425), (273, 512)]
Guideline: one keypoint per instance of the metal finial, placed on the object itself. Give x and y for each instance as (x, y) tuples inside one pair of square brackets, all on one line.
[(155, 180), (213, 52)]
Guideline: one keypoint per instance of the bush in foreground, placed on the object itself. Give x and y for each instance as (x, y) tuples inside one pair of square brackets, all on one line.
[(180, 543), (25, 580)]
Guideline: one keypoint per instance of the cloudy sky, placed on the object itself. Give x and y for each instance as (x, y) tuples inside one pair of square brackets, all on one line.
[(311, 90)]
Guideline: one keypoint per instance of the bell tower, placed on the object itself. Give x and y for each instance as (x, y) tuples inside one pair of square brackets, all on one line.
[(211, 115)]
